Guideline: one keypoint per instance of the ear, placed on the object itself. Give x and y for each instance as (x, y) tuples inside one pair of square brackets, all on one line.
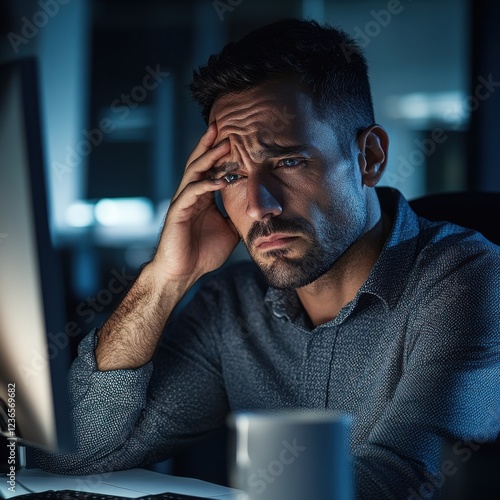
[(373, 144)]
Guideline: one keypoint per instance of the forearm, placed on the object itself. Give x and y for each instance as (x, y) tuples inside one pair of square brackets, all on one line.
[(129, 418), (128, 339), (196, 239), (105, 408)]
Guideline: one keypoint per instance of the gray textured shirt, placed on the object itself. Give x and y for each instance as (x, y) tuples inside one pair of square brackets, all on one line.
[(414, 358)]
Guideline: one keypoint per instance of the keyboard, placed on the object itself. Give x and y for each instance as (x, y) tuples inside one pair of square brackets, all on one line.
[(85, 495)]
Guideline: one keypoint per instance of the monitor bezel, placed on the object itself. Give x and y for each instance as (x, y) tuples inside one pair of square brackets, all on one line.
[(49, 265)]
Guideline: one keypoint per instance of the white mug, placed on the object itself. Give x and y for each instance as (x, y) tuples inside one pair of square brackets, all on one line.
[(291, 455)]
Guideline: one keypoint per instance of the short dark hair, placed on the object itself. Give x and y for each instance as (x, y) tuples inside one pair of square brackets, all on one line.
[(327, 60)]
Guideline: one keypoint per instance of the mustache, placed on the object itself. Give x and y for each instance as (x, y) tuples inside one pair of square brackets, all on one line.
[(291, 225)]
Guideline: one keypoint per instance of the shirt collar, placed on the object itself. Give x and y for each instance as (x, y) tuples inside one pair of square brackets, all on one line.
[(387, 277)]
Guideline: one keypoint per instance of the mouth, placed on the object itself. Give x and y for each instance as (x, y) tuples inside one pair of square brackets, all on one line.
[(275, 240)]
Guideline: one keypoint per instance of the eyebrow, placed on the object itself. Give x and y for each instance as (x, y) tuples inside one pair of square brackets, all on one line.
[(274, 150), (268, 151), (224, 168)]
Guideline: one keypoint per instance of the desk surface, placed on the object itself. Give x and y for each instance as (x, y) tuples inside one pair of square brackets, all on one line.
[(132, 483)]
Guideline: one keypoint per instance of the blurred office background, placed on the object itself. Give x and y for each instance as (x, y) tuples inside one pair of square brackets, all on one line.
[(119, 123)]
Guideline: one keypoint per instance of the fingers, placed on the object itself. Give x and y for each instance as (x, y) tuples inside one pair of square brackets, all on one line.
[(193, 191), (205, 143), (206, 150), (199, 167), (203, 163)]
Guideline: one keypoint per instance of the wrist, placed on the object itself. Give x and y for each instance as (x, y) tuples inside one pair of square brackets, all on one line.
[(165, 283)]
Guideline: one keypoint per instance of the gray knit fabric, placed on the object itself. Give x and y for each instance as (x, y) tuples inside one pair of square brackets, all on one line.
[(414, 358)]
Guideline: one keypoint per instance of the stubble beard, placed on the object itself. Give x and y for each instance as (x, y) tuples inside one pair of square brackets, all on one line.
[(280, 267), (285, 272)]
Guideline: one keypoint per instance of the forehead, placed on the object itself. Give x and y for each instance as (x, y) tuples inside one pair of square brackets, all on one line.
[(275, 108)]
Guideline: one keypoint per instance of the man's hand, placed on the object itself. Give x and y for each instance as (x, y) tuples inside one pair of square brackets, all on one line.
[(196, 237)]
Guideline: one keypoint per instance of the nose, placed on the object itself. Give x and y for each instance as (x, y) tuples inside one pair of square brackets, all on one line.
[(261, 203)]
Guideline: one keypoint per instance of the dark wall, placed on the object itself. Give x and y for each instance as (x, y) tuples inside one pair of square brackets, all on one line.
[(484, 136)]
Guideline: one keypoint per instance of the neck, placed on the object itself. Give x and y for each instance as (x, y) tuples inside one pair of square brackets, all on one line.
[(324, 298)]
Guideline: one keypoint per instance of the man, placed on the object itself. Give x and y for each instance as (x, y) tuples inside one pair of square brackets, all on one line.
[(352, 303)]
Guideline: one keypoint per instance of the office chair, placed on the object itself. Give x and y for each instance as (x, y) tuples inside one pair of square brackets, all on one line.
[(478, 477), (474, 210)]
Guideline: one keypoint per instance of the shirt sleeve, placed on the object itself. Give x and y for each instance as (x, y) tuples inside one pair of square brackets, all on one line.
[(449, 391), (130, 418)]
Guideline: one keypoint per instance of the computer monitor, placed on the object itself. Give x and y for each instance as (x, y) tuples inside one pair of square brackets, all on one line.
[(34, 358)]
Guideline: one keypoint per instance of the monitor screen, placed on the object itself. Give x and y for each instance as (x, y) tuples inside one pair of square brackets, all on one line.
[(34, 358)]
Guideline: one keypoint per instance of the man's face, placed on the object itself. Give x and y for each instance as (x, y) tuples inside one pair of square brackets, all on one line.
[(297, 203)]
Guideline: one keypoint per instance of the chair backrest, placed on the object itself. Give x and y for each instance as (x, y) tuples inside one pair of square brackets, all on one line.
[(476, 210)]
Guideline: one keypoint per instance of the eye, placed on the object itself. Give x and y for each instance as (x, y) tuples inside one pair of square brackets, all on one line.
[(291, 162), (230, 178)]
